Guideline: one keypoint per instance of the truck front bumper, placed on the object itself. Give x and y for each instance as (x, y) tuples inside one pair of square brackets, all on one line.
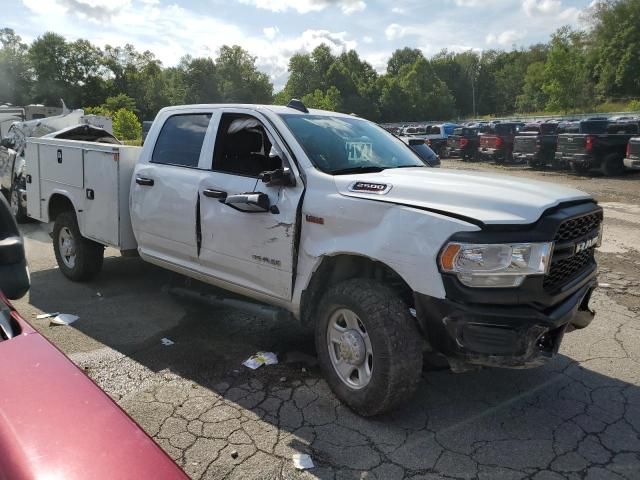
[(633, 163), (508, 336)]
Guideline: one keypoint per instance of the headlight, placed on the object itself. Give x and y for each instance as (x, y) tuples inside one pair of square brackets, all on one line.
[(495, 265)]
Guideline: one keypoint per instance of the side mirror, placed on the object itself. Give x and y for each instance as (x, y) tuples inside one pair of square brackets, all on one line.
[(14, 274), (254, 202), (280, 177)]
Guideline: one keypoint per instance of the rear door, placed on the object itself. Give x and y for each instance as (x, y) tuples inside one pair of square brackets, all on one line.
[(164, 190), (254, 251)]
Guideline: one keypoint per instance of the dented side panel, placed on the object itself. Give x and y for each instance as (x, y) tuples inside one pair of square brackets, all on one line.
[(405, 239)]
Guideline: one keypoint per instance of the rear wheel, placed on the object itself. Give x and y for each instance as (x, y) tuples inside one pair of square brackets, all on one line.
[(79, 259), (612, 165), (368, 345)]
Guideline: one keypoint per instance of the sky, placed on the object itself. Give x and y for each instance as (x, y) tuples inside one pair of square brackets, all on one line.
[(273, 30)]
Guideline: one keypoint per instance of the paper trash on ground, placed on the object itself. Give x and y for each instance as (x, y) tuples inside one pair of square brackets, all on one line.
[(64, 319), (302, 461), (166, 342), (47, 315), (259, 359)]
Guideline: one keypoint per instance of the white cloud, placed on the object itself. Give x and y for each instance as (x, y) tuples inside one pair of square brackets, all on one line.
[(367, 39), (305, 6), (395, 31), (506, 38), (548, 8), (398, 10), (271, 32)]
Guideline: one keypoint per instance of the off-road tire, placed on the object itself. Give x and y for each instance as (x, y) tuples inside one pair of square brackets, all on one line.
[(20, 214), (89, 254), (396, 342), (612, 165)]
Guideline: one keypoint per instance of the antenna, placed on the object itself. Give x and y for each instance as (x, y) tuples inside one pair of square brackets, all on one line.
[(297, 105)]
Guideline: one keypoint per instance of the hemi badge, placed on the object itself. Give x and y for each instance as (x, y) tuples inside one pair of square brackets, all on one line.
[(312, 219)]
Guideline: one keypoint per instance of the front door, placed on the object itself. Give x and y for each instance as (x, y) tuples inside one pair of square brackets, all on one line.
[(251, 250)]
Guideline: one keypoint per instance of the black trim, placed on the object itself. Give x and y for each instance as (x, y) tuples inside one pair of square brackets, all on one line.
[(513, 336)]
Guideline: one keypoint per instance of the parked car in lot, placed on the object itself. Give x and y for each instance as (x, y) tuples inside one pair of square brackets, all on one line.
[(464, 143), (632, 157), (423, 150), (596, 144), (329, 219), (437, 136), (496, 142), (536, 144), (54, 421)]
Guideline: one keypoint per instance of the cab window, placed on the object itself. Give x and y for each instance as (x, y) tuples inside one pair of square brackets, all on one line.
[(180, 140), (243, 147)]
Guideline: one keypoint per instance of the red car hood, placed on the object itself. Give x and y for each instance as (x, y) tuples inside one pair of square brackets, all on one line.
[(55, 423)]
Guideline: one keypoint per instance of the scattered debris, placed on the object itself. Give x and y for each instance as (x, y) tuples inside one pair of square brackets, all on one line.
[(412, 311), (234, 454), (283, 379), (304, 370), (64, 319), (166, 342), (47, 315), (302, 461), (604, 285), (259, 359), (98, 294)]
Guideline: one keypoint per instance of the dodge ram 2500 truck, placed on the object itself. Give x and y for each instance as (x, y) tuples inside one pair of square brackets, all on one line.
[(332, 220)]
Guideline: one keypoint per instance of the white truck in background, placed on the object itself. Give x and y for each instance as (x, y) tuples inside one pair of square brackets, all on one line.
[(330, 219), (13, 145)]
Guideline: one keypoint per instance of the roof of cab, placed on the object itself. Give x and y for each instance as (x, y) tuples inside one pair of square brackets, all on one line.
[(277, 109)]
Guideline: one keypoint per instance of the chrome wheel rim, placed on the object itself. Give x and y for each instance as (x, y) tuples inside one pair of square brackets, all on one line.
[(350, 348), (67, 246), (14, 202)]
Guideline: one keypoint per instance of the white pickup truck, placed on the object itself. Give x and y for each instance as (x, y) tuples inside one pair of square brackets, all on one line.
[(336, 222)]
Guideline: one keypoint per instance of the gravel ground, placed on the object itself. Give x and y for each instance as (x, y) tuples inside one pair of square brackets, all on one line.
[(577, 417)]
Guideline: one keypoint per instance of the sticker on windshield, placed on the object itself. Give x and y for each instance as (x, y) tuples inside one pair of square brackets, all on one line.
[(359, 151)]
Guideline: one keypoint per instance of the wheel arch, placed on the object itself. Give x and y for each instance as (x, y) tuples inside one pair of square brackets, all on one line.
[(336, 268), (59, 203)]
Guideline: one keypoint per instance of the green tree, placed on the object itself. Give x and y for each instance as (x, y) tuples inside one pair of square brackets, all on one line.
[(401, 57), (330, 100), (126, 125), (533, 97), (15, 69), (240, 80), (567, 83), (616, 47), (117, 102)]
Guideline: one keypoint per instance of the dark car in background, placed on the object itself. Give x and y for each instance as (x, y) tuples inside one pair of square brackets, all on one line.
[(536, 144), (464, 143), (596, 144), (496, 142), (423, 150)]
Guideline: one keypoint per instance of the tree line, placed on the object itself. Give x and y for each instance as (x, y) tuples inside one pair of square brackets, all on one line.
[(575, 70)]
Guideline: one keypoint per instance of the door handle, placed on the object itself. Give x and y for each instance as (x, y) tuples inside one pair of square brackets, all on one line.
[(208, 192), (144, 181)]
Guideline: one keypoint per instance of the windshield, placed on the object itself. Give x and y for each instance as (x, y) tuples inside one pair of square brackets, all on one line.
[(424, 151), (595, 127), (338, 145)]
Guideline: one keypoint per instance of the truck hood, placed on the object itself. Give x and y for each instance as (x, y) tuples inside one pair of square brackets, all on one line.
[(485, 198)]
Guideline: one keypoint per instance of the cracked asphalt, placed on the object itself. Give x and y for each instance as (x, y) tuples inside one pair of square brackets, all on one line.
[(576, 418)]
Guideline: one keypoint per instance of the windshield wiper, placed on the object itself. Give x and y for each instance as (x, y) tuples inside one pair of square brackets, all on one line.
[(361, 169)]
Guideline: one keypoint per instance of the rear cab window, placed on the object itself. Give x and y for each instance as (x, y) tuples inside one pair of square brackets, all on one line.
[(180, 140)]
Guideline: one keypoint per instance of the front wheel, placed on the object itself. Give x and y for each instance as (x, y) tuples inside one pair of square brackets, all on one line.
[(369, 347), (79, 259)]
